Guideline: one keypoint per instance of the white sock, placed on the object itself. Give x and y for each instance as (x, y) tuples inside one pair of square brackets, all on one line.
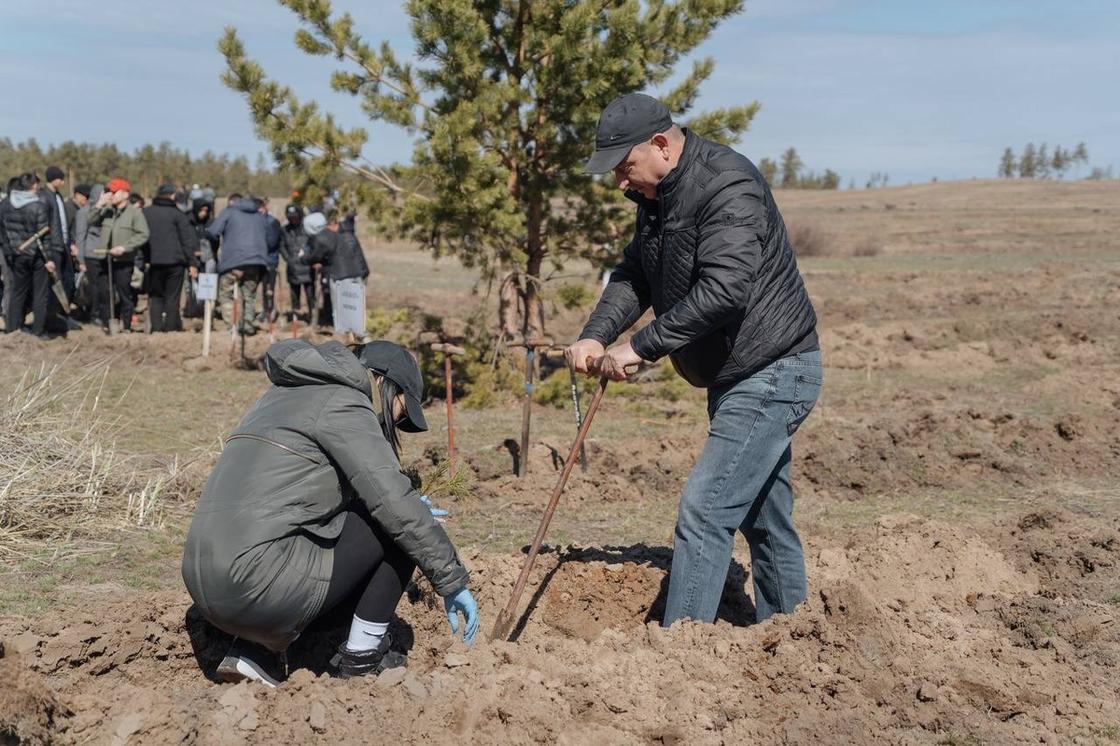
[(365, 635)]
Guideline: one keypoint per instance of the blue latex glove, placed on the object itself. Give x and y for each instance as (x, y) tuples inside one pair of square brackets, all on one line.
[(462, 602), (436, 512)]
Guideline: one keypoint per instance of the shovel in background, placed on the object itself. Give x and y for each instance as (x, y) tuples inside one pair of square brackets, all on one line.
[(59, 292), (448, 351), (505, 618), (56, 283)]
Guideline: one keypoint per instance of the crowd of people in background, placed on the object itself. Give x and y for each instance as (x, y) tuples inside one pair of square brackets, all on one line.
[(94, 256)]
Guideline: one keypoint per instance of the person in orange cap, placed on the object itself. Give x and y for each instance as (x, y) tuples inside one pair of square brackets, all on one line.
[(123, 231)]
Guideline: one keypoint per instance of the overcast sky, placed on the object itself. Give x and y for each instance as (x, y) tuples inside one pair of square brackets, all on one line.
[(913, 88)]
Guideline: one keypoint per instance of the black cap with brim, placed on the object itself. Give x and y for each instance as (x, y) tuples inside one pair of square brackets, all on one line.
[(397, 364), (414, 421), (627, 121), (606, 159)]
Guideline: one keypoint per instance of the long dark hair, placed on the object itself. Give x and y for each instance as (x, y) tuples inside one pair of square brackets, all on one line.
[(389, 391)]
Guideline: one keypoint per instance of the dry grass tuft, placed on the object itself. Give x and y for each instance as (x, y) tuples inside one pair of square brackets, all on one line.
[(64, 488), (809, 240), (867, 247)]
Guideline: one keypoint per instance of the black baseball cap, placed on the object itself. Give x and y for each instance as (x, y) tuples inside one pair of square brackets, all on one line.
[(626, 122), (166, 190), (397, 364)]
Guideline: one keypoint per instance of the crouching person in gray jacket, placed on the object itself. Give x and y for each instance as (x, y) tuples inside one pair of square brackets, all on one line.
[(308, 506)]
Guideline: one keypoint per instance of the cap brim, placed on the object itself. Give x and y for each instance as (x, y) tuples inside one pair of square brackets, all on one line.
[(606, 159), (414, 421)]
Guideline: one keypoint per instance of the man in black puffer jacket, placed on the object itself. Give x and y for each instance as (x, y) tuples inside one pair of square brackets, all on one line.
[(711, 256), (169, 253), (24, 216)]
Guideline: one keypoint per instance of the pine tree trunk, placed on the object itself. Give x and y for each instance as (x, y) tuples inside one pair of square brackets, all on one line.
[(534, 302)]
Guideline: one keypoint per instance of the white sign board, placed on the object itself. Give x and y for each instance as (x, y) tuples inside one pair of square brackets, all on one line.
[(349, 307), (207, 286)]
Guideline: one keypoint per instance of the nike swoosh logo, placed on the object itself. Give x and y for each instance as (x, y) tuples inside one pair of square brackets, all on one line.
[(614, 137)]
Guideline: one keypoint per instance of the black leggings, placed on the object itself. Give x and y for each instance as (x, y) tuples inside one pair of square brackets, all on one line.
[(368, 562)]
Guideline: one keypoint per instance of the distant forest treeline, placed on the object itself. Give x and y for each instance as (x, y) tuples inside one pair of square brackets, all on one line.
[(1041, 163), (146, 167), (787, 173)]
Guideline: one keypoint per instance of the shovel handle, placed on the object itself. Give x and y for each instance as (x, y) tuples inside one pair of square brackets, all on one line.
[(505, 618)]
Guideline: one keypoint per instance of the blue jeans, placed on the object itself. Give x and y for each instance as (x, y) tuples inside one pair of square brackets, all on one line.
[(742, 482)]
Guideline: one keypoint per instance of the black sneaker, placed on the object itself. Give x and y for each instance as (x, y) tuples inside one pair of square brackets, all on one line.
[(351, 663), (247, 661)]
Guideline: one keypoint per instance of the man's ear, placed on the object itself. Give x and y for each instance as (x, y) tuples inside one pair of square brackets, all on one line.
[(661, 142)]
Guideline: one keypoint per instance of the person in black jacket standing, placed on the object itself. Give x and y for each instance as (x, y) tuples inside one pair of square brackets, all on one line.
[(336, 248), (24, 216), (710, 254), (275, 237), (170, 252), (61, 246), (6, 253), (294, 249)]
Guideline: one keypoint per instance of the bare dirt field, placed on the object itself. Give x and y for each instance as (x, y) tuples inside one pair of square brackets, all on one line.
[(957, 494)]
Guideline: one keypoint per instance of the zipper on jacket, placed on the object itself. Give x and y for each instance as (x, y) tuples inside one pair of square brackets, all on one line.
[(247, 436)]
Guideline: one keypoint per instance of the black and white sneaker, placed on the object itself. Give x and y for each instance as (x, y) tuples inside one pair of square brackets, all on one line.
[(247, 661), (351, 663)]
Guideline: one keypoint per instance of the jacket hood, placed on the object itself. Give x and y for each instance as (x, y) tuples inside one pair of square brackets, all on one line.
[(21, 199), (297, 362), (196, 208), (245, 205), (95, 193)]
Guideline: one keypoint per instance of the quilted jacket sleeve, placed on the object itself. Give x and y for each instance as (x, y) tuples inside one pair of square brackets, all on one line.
[(347, 429), (733, 226), (624, 300)]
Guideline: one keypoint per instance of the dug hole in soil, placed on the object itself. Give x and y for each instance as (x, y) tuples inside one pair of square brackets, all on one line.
[(913, 632)]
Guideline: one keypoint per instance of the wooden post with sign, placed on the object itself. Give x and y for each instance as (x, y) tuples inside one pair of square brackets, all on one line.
[(207, 292), (350, 308)]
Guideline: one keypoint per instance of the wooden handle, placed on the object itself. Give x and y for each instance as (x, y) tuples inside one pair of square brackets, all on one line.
[(33, 238), (448, 349), (505, 618)]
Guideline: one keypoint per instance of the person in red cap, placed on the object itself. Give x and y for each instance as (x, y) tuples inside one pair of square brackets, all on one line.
[(123, 231)]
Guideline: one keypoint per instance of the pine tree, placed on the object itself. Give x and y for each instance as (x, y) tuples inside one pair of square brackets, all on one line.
[(1059, 163), (769, 170), (1080, 157), (1028, 162), (791, 167), (1042, 162), (1007, 164), (503, 105)]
